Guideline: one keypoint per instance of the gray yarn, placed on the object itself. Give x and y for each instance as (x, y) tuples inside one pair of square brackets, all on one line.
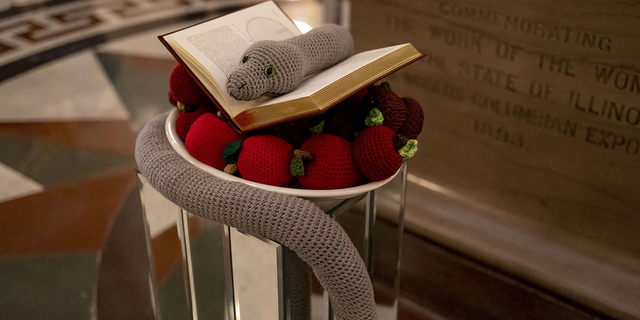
[(293, 222), (293, 59)]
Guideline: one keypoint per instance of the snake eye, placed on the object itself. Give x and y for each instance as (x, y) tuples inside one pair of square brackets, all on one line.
[(269, 71), (245, 59)]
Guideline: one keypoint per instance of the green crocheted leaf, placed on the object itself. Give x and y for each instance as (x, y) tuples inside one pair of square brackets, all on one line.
[(374, 118), (409, 149), (318, 128), (386, 85), (231, 152), (180, 106), (297, 167)]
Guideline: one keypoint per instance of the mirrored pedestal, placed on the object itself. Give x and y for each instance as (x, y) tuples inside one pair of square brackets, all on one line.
[(201, 269)]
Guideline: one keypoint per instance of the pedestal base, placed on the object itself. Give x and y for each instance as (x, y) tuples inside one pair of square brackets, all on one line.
[(201, 269)]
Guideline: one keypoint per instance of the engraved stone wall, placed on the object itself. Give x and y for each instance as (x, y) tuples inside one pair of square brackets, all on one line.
[(531, 109)]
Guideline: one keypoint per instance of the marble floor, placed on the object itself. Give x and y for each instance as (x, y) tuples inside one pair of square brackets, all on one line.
[(78, 80), (74, 94)]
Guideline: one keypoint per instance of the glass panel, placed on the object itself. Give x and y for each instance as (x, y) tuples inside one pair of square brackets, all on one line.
[(374, 224), (168, 269), (387, 246), (199, 266), (206, 267), (257, 267)]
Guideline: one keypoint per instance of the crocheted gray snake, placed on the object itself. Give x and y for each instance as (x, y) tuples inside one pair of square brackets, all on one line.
[(291, 221), (278, 67)]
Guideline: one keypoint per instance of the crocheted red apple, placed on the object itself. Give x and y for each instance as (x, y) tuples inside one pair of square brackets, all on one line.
[(374, 153), (207, 138), (264, 159), (184, 120), (329, 165), (185, 91)]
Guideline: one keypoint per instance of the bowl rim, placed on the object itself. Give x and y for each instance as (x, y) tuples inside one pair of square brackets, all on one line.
[(177, 145)]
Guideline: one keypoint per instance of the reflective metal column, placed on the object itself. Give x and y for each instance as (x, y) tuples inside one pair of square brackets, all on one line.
[(201, 269)]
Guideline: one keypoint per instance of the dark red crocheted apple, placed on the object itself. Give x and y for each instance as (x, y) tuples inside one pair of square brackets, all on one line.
[(412, 126), (207, 138), (389, 104), (184, 120), (172, 99), (265, 159), (374, 153), (341, 120), (294, 132), (331, 166), (185, 90)]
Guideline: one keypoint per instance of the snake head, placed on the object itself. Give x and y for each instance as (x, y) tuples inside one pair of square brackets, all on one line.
[(267, 66)]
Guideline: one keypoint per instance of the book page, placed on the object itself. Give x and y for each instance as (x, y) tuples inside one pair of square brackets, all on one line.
[(332, 74), (218, 44)]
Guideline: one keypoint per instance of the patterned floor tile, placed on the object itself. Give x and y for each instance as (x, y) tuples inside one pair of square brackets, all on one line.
[(47, 287), (70, 218), (15, 185), (68, 26), (142, 84), (5, 4), (53, 164), (109, 136), (144, 44), (72, 88), (23, 3)]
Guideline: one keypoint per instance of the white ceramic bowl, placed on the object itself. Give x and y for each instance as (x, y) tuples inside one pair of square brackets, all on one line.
[(333, 194)]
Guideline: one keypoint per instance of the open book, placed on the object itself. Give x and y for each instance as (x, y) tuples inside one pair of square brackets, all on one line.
[(212, 49)]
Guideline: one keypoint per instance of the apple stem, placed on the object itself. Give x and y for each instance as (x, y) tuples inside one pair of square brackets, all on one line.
[(297, 165), (231, 168), (303, 154)]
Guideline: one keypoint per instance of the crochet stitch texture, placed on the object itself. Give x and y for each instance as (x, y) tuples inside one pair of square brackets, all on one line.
[(207, 138), (391, 106), (295, 223), (185, 120), (184, 89), (375, 154), (332, 166), (291, 59), (412, 126), (266, 159)]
